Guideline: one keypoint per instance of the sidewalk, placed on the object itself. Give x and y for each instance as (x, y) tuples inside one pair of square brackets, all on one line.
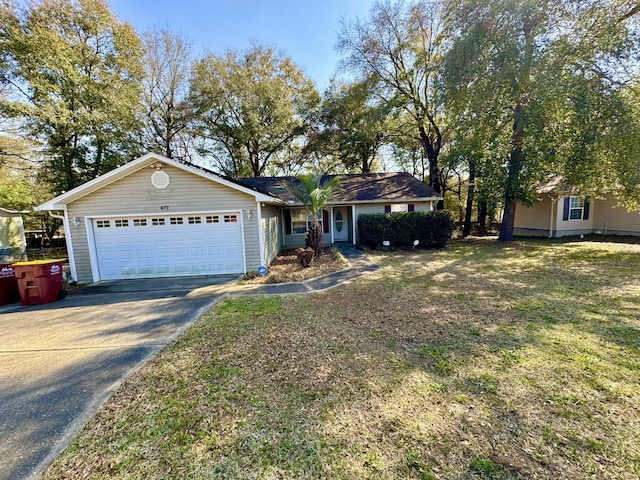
[(359, 265)]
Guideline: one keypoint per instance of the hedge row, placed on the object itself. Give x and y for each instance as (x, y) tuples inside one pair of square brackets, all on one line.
[(431, 229)]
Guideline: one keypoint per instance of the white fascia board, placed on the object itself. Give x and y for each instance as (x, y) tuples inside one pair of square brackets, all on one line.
[(59, 202)]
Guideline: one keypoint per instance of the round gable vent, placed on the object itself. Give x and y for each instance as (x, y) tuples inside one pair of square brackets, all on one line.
[(160, 179)]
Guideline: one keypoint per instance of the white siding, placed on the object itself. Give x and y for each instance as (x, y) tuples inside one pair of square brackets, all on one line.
[(572, 227), (134, 194), (369, 208), (272, 231)]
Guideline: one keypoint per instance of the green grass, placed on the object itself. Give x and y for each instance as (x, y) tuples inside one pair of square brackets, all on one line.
[(480, 361)]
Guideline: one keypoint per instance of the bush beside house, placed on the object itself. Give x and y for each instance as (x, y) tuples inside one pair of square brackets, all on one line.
[(431, 229)]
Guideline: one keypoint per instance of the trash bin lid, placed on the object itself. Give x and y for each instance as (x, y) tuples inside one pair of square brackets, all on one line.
[(39, 262)]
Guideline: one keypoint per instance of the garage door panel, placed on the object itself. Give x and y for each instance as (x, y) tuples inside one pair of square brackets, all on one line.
[(163, 248)]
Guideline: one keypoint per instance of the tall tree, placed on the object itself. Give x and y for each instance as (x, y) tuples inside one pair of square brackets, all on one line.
[(352, 125), (167, 109), (251, 109), (402, 45), (549, 97), (74, 72)]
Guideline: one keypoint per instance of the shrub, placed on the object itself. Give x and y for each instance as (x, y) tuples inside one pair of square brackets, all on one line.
[(305, 256), (431, 229)]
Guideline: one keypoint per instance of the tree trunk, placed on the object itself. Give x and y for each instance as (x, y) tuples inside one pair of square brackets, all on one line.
[(516, 163), (517, 158), (508, 217), (313, 238), (432, 150), (466, 229), (482, 218), (97, 166)]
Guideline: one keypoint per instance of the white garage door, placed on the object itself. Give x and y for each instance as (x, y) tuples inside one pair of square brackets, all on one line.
[(168, 246)]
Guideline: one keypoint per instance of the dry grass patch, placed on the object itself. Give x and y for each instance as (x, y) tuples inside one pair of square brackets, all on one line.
[(286, 268), (481, 361)]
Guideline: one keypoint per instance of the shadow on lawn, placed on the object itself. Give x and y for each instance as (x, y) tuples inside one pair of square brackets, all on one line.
[(480, 361)]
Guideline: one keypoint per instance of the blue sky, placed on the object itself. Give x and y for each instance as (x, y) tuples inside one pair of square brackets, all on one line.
[(306, 30)]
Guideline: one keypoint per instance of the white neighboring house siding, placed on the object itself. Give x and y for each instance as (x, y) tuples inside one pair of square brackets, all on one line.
[(605, 217), (609, 218), (134, 194), (535, 220), (572, 227)]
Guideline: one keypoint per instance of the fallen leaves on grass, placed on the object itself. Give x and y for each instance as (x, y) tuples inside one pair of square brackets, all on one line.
[(478, 361)]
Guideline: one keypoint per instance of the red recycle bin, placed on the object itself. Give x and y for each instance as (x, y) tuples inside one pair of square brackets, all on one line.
[(8, 285), (39, 281)]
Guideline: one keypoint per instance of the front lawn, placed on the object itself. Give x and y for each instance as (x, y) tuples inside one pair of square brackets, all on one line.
[(480, 361)]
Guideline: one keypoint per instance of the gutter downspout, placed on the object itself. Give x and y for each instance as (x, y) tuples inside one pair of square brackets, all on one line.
[(262, 241), (67, 239)]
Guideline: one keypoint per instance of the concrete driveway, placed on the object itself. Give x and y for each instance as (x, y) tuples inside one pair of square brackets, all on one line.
[(60, 362)]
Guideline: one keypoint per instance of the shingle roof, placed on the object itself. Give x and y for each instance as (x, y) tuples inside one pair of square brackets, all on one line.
[(355, 188), (555, 185)]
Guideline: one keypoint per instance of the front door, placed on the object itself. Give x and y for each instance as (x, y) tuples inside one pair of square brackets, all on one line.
[(340, 224)]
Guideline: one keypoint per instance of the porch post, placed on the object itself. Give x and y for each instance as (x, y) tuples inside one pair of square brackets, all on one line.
[(331, 225), (554, 201), (353, 223)]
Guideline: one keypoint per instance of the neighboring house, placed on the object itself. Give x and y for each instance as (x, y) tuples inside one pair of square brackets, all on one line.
[(13, 245), (155, 217), (560, 212)]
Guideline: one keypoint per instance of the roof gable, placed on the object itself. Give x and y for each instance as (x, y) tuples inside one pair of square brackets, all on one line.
[(59, 202), (355, 188)]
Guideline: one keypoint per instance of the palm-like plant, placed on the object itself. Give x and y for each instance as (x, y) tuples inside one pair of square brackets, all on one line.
[(314, 190)]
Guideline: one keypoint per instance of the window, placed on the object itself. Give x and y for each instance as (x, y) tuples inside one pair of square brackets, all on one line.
[(194, 220), (301, 221), (122, 223), (176, 220), (103, 223), (139, 222), (399, 208), (230, 218), (212, 219), (575, 208), (157, 222)]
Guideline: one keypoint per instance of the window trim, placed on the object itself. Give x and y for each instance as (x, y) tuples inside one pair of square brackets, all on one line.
[(302, 211), (574, 204)]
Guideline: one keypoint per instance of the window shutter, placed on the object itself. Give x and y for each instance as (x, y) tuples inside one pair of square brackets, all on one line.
[(287, 222), (387, 209), (325, 221), (585, 214), (411, 208), (565, 214)]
